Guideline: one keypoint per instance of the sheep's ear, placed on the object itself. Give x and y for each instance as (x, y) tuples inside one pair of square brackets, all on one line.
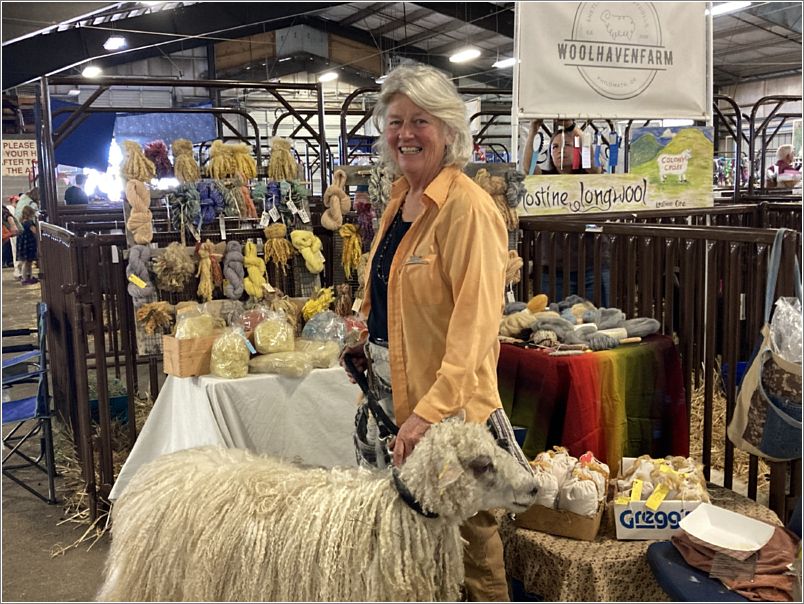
[(449, 473)]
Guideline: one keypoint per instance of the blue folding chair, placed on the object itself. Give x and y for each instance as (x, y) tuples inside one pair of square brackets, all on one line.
[(685, 583), (29, 415)]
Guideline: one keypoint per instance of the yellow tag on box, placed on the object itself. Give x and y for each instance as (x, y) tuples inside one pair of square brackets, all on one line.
[(656, 498), (137, 281), (636, 490)]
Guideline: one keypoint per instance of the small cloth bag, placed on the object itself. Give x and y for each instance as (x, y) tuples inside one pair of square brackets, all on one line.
[(767, 415)]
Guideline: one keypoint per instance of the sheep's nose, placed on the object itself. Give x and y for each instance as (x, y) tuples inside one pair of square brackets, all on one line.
[(534, 491)]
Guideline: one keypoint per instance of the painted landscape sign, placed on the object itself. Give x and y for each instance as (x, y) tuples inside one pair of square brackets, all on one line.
[(669, 168)]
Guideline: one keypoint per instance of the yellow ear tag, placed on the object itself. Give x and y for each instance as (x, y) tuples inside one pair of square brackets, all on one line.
[(656, 498), (636, 490), (137, 281)]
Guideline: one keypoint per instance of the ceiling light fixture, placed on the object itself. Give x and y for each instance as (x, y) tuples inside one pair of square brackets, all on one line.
[(91, 71), (328, 76), (728, 7), (462, 56), (115, 43), (503, 63)]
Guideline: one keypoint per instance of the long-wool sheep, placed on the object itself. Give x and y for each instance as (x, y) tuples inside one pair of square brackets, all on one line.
[(213, 524)]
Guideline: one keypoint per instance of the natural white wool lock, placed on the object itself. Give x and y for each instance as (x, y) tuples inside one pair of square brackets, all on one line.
[(214, 524)]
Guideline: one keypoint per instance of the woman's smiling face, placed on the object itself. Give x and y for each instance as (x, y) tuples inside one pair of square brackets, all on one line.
[(416, 138)]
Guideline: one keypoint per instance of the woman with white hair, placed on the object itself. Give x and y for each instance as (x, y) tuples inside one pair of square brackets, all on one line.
[(784, 159), (434, 295)]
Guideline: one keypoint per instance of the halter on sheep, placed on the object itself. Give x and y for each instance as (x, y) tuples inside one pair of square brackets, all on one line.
[(226, 525)]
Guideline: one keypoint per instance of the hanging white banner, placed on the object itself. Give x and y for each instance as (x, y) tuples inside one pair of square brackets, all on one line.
[(612, 59)]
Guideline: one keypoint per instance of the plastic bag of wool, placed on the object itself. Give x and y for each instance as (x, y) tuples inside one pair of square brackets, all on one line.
[(215, 524)]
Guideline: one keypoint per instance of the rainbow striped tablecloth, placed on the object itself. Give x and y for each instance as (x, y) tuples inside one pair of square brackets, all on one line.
[(628, 401)]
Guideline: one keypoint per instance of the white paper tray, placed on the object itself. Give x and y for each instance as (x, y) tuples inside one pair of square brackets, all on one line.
[(726, 529)]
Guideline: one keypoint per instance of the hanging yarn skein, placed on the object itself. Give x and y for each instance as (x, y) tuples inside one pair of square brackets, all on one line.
[(157, 152), (135, 165), (204, 273), (256, 279), (233, 270), (185, 166), (211, 201), (281, 165), (352, 248), (317, 303), (140, 220), (336, 202), (496, 187), (365, 216), (379, 187), (310, 248), (173, 268), (185, 207), (277, 248), (140, 287), (249, 209), (513, 268)]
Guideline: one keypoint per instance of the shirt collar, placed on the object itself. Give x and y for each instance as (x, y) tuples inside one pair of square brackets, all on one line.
[(436, 191)]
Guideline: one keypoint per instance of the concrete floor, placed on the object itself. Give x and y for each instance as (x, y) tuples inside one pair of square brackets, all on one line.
[(31, 528)]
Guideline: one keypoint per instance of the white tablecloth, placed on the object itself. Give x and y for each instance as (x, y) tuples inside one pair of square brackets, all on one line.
[(308, 420)]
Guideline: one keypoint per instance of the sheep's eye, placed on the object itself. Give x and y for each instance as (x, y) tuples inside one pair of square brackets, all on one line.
[(481, 465)]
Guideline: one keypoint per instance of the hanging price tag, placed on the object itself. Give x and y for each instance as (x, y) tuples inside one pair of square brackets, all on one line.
[(137, 281), (292, 207), (249, 345), (636, 490), (656, 498), (259, 245), (115, 255), (509, 297), (305, 218), (194, 232), (357, 305), (274, 214), (222, 223), (265, 220), (268, 287)]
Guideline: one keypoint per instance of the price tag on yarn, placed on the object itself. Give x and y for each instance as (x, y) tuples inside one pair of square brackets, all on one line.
[(265, 219), (268, 288), (292, 207), (274, 214), (115, 255), (249, 345), (194, 232), (656, 498), (636, 490), (222, 223), (357, 305), (621, 501), (509, 296), (305, 217), (259, 245), (586, 158), (137, 281)]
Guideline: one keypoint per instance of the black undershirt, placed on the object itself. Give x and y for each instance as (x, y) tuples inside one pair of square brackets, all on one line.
[(380, 271)]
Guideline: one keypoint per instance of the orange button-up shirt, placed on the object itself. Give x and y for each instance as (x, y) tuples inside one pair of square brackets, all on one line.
[(445, 301)]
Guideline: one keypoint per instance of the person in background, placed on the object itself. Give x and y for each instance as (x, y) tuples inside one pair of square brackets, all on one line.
[(74, 195), (785, 159), (27, 245), (562, 148), (434, 295), (9, 233), (29, 199)]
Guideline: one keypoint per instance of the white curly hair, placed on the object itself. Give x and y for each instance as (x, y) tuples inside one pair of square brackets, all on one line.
[(431, 90)]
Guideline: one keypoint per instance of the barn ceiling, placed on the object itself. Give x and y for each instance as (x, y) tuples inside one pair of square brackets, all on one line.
[(761, 41)]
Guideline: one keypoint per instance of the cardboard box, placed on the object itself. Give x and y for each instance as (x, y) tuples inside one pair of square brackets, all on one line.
[(561, 522), (187, 358), (634, 520)]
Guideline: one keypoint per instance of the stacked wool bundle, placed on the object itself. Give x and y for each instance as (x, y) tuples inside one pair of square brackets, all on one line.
[(157, 152), (174, 268), (227, 525), (681, 476), (281, 165), (567, 483), (233, 270), (186, 168)]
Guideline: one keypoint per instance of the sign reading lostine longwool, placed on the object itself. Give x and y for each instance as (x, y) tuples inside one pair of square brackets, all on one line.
[(611, 59)]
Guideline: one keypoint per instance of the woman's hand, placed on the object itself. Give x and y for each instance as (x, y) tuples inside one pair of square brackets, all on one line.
[(410, 433)]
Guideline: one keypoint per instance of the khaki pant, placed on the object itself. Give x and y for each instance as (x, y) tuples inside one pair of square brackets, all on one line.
[(483, 560)]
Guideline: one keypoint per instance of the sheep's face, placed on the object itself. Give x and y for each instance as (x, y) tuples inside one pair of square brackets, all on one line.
[(458, 469)]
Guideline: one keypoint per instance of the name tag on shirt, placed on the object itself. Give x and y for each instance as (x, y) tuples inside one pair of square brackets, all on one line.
[(417, 260)]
